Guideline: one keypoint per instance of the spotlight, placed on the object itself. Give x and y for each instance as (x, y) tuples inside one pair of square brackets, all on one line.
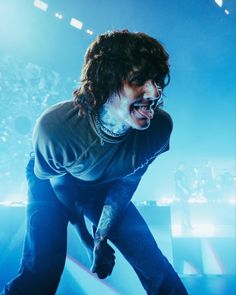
[(76, 23), (219, 2), (89, 32), (232, 200), (58, 15), (41, 5)]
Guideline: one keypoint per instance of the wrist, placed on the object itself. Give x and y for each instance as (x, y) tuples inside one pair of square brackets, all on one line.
[(99, 238)]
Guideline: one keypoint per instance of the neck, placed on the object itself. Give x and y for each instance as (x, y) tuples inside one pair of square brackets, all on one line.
[(111, 122)]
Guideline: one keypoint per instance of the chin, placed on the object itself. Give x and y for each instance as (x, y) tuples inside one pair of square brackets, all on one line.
[(139, 123), (142, 126)]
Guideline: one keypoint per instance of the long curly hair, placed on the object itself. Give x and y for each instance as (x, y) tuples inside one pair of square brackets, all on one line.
[(114, 57)]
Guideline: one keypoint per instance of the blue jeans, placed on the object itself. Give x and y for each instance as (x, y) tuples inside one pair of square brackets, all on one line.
[(46, 236)]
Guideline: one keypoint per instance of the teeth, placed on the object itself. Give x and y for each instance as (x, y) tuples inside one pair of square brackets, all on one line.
[(144, 107), (140, 105)]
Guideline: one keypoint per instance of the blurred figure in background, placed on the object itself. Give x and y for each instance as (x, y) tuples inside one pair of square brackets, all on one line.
[(183, 193), (208, 181)]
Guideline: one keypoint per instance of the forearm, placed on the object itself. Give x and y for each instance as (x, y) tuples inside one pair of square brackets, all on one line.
[(110, 215), (117, 199), (115, 203)]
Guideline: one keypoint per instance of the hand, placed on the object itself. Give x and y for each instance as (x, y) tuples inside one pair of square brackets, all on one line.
[(103, 259)]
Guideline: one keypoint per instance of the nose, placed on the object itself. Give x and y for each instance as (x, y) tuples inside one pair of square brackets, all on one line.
[(151, 90)]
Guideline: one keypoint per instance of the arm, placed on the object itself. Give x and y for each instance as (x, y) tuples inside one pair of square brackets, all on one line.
[(123, 189), (108, 260), (116, 201)]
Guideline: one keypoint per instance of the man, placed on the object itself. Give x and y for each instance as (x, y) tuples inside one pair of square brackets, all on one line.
[(183, 193), (89, 157)]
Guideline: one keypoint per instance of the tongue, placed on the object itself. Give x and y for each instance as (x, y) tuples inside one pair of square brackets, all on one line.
[(145, 113)]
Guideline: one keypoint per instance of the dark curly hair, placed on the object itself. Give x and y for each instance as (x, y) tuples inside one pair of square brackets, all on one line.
[(117, 56)]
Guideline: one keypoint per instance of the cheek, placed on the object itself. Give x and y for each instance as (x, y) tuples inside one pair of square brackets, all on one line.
[(124, 109), (130, 92), (123, 104)]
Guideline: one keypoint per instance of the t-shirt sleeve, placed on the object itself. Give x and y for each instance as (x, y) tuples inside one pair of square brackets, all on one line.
[(48, 150)]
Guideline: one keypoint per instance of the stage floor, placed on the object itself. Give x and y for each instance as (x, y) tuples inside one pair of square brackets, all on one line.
[(196, 285), (205, 263)]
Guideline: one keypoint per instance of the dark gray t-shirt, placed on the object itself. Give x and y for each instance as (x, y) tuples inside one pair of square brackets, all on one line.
[(66, 143)]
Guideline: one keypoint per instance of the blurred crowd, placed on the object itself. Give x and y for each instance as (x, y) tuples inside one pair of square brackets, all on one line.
[(26, 89)]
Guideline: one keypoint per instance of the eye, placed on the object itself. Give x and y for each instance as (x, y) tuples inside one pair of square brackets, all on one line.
[(137, 80)]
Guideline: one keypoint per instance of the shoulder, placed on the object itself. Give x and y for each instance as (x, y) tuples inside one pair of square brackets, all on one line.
[(55, 113), (161, 125), (52, 130), (51, 139), (53, 121)]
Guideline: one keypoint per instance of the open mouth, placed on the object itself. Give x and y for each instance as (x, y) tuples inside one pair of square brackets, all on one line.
[(143, 110)]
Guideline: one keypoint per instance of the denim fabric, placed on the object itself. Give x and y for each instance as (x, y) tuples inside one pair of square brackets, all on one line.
[(45, 243), (152, 267), (44, 250)]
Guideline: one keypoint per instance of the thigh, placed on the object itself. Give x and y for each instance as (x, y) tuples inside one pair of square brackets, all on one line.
[(47, 221), (45, 241), (46, 237), (136, 242)]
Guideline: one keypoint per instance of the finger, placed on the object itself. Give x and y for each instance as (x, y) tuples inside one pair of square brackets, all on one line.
[(103, 271), (102, 276)]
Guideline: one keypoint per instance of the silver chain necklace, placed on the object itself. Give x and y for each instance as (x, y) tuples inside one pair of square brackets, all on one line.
[(100, 126)]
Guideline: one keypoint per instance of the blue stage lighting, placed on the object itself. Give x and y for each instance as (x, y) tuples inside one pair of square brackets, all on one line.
[(89, 32), (41, 5), (58, 15), (76, 23), (219, 2)]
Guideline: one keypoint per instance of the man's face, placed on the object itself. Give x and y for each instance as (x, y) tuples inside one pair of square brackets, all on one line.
[(134, 105)]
